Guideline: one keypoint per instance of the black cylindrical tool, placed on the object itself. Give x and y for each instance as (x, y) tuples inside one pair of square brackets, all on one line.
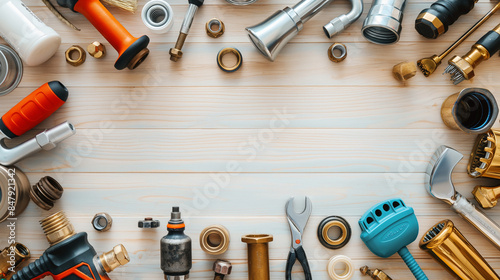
[(176, 253), (434, 21)]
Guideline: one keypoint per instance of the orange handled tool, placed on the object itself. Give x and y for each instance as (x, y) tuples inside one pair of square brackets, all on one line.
[(33, 109), (132, 51)]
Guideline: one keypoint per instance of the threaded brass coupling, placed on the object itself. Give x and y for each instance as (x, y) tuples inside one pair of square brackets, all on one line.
[(114, 258), (57, 228)]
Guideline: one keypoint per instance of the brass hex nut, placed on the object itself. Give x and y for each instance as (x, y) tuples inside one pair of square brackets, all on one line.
[(80, 57), (465, 68), (332, 52), (218, 31), (96, 50), (102, 221), (175, 54), (404, 71)]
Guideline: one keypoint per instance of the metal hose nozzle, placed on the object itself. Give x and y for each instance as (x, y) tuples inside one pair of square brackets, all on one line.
[(383, 23)]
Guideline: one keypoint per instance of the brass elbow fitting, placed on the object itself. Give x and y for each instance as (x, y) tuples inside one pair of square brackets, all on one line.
[(487, 197), (452, 250), (258, 255), (11, 258), (484, 161)]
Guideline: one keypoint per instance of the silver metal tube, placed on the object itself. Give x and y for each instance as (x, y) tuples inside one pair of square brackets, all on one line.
[(271, 35), (46, 140), (188, 18), (383, 23), (341, 22)]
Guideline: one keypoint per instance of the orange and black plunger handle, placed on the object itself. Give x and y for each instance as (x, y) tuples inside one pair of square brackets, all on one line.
[(33, 109), (132, 51), (71, 259)]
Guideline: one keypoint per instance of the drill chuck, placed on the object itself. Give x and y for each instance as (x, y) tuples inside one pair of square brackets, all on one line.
[(434, 21)]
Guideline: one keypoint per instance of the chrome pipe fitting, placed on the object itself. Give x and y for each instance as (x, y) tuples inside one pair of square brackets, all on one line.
[(11, 69), (338, 24), (383, 23)]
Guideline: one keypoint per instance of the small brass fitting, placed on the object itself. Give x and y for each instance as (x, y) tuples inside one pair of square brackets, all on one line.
[(232, 68), (446, 244), (484, 161), (80, 55), (376, 274), (46, 192), (215, 33), (102, 221), (96, 50), (57, 228), (214, 240), (175, 52), (487, 197), (332, 52), (404, 71), (114, 258), (16, 253), (258, 255), (221, 269)]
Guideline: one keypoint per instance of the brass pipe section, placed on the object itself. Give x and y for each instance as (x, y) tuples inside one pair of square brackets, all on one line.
[(472, 110), (484, 161), (462, 68), (487, 197), (11, 258), (452, 250), (214, 240), (258, 255)]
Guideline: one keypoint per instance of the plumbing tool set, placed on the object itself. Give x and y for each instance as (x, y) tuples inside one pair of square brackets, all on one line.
[(386, 228)]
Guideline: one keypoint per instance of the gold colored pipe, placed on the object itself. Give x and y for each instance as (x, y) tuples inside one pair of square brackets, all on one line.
[(258, 255), (452, 250)]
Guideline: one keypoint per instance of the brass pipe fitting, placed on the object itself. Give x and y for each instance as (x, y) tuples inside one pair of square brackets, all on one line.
[(452, 250), (80, 55), (114, 258), (258, 255), (404, 71), (375, 274), (11, 258), (472, 110), (215, 33), (332, 52), (10, 178), (487, 197), (332, 222), (46, 192), (221, 269), (57, 228), (462, 68), (484, 161), (224, 52), (214, 240)]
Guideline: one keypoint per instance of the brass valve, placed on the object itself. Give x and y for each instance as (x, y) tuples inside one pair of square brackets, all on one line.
[(487, 197), (376, 274)]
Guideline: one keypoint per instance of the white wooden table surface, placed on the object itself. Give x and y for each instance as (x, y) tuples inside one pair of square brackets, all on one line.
[(166, 133)]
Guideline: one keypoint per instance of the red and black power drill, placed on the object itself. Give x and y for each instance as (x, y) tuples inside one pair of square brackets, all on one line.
[(70, 255)]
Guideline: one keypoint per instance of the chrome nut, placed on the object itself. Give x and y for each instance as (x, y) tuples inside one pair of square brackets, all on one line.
[(102, 221), (96, 50), (80, 55), (220, 28), (222, 267), (148, 223), (332, 52)]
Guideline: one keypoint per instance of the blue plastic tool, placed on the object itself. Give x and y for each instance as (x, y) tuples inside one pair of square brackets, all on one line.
[(389, 227)]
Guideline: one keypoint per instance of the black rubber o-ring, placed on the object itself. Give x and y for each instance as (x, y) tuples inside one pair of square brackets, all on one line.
[(345, 235)]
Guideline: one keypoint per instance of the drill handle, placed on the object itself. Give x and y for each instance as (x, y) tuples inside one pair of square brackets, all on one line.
[(33, 109)]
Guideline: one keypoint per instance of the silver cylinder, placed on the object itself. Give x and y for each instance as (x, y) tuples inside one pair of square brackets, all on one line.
[(338, 24), (11, 69), (383, 23), (271, 35)]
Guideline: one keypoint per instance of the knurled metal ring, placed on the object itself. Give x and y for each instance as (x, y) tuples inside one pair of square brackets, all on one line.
[(232, 68), (334, 222)]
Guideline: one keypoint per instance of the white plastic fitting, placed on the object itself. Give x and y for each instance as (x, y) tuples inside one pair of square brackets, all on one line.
[(158, 16), (349, 268), (34, 41)]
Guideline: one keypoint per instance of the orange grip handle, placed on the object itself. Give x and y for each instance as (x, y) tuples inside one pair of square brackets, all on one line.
[(33, 109), (106, 24)]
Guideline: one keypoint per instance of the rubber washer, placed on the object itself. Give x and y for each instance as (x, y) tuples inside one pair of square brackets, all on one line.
[(330, 222)]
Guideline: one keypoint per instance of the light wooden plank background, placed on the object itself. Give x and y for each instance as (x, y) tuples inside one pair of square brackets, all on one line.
[(161, 135)]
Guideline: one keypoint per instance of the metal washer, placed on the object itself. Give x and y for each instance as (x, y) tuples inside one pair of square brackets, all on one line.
[(11, 69)]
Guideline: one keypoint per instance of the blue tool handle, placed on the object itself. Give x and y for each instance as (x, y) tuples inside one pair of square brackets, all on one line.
[(299, 254), (412, 264)]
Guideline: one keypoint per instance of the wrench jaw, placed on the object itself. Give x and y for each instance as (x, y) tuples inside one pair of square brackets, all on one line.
[(297, 221), (438, 174)]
